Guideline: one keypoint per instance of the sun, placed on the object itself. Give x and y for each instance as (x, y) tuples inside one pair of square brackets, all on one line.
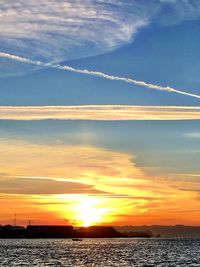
[(88, 212)]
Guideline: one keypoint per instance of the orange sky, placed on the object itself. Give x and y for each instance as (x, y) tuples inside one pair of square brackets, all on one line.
[(84, 185)]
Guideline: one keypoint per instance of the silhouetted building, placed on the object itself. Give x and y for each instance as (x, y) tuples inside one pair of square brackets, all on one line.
[(10, 231), (49, 231), (53, 231), (98, 232), (139, 234)]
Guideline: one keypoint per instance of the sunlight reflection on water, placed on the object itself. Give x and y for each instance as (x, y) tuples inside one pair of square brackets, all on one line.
[(100, 252)]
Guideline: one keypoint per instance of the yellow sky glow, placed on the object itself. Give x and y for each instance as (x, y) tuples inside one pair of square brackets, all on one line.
[(85, 185)]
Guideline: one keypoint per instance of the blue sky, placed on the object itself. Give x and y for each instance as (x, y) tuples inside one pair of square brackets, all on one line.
[(154, 42), (158, 55), (172, 147)]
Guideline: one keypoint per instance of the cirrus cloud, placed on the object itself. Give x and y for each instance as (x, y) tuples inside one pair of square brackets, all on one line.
[(60, 30)]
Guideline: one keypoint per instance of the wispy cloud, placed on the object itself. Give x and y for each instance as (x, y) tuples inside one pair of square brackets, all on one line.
[(33, 183), (193, 135), (76, 29), (104, 112), (174, 11), (72, 29), (97, 74), (44, 186)]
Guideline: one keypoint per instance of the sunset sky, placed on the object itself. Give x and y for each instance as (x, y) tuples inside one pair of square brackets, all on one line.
[(99, 112)]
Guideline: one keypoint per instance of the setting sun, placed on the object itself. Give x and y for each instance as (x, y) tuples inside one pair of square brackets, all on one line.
[(88, 212)]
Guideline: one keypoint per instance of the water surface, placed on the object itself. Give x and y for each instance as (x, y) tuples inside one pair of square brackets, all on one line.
[(100, 252)]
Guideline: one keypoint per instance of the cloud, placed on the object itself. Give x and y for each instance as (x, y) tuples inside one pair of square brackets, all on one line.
[(56, 31), (71, 29), (73, 163), (39, 175), (99, 112), (43, 186), (175, 11), (38, 186), (193, 135)]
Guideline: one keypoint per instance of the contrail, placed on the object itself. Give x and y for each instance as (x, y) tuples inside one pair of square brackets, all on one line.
[(97, 74), (99, 113)]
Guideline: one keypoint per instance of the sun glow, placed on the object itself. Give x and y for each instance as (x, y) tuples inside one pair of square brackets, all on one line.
[(89, 212)]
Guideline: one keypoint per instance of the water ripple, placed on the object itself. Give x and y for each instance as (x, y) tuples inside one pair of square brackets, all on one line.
[(100, 252)]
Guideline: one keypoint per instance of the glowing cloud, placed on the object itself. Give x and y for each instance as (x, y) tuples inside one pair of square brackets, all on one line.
[(107, 112), (129, 194), (71, 161)]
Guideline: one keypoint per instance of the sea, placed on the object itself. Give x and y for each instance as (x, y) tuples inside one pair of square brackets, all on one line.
[(100, 252)]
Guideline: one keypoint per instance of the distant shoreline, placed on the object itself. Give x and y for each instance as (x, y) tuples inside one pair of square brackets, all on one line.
[(56, 231), (165, 231), (53, 231)]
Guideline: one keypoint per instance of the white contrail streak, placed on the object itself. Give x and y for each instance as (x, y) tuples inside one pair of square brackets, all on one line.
[(97, 74)]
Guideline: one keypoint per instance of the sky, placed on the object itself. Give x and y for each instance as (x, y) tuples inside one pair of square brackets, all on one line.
[(99, 112)]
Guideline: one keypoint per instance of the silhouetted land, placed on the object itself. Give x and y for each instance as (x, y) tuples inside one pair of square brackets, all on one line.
[(163, 231), (52, 231)]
